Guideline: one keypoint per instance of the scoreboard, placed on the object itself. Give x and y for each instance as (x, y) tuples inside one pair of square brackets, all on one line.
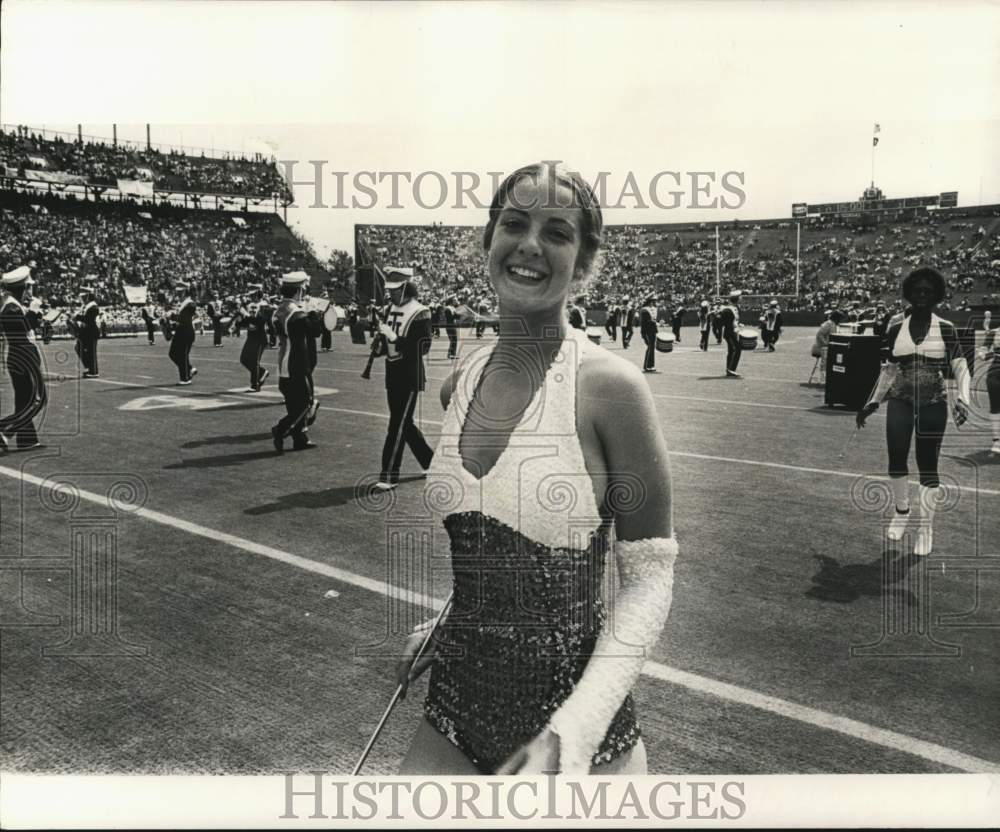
[(948, 199)]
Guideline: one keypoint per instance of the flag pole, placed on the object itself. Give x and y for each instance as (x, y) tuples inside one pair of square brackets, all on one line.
[(718, 290)]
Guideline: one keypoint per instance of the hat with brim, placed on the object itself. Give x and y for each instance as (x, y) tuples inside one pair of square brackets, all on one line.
[(17, 277), (396, 277), (735, 293), (294, 278)]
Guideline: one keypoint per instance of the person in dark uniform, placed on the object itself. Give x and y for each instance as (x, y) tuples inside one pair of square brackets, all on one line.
[(23, 360), (578, 313), (676, 320), (628, 316), (989, 354), (88, 330), (704, 324), (770, 327), (611, 323), (483, 309), (882, 318), (296, 331), (729, 322), (648, 329), (182, 338), (267, 308), (326, 337), (451, 325), (148, 313), (717, 322), (408, 336), (253, 348), (214, 311)]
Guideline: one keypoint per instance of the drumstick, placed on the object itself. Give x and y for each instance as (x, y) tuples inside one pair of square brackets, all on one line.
[(399, 688)]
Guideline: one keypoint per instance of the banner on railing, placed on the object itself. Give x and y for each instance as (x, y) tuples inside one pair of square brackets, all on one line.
[(55, 177), (135, 294), (135, 187)]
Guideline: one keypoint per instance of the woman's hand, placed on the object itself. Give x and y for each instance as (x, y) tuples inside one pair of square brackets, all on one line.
[(540, 756), (865, 412), (961, 413), (406, 669)]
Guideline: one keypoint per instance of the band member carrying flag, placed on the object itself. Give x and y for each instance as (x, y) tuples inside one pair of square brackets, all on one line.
[(296, 331), (183, 333), (408, 337), (24, 363)]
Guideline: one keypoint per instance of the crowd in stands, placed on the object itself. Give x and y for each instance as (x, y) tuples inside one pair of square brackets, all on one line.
[(839, 263), (104, 163), (70, 244)]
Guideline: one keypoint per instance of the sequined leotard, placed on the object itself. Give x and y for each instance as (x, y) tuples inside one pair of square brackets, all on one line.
[(528, 550)]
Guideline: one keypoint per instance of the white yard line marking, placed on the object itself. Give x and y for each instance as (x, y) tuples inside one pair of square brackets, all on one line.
[(655, 670)]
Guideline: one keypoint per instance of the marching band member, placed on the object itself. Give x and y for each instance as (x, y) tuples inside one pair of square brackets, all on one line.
[(451, 325), (24, 362), (989, 354), (326, 338), (214, 311), (729, 322), (408, 337), (628, 316), (770, 329), (577, 313), (648, 330), (148, 313), (676, 320), (183, 333), (704, 324), (717, 321), (296, 331), (87, 332), (611, 323), (922, 349), (253, 348)]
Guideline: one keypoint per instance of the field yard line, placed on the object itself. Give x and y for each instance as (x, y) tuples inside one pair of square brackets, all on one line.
[(731, 401), (655, 670), (982, 491)]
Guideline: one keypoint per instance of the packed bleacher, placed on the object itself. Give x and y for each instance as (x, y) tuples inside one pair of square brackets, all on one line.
[(839, 263), (103, 163), (70, 243)]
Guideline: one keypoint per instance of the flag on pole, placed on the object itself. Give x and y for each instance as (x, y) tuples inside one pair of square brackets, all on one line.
[(878, 128), (875, 141)]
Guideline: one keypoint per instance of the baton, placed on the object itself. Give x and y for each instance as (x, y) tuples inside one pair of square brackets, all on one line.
[(399, 688), (849, 442)]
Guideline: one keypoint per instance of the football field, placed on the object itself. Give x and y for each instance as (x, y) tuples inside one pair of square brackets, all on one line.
[(176, 597)]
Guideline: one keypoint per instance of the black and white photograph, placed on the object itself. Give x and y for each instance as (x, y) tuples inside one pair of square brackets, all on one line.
[(468, 414)]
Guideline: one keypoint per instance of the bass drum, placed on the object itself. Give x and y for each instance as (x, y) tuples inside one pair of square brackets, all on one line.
[(332, 321), (595, 334), (664, 342), (748, 339)]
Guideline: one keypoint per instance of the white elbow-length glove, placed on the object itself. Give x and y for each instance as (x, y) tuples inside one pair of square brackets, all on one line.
[(630, 631)]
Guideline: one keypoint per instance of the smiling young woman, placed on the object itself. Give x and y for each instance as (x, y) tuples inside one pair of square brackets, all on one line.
[(552, 462)]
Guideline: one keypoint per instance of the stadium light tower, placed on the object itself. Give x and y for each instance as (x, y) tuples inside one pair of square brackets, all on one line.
[(798, 254)]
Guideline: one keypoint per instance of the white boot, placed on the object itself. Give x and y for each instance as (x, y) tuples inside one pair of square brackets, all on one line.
[(929, 499), (901, 501)]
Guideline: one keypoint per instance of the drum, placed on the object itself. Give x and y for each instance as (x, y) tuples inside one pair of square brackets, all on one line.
[(330, 318), (341, 317), (664, 342), (748, 339), (595, 333)]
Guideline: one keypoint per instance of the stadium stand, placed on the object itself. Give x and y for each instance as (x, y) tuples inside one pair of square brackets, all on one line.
[(23, 152), (839, 263)]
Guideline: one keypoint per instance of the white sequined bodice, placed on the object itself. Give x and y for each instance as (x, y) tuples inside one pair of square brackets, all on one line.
[(539, 486)]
